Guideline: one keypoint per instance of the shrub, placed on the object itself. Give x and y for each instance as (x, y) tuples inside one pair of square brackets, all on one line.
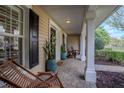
[(111, 55), (108, 49), (99, 44)]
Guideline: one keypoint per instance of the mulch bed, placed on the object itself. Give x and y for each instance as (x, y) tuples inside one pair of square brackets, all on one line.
[(110, 79), (107, 62)]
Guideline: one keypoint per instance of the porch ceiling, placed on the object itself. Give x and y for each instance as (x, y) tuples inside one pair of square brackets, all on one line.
[(103, 12), (60, 13)]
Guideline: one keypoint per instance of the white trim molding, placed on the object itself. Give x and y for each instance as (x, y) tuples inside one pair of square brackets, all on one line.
[(10, 35), (29, 6), (58, 39), (54, 24)]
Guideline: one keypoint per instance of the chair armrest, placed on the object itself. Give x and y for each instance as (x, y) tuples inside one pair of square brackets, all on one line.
[(52, 79), (48, 74), (45, 73)]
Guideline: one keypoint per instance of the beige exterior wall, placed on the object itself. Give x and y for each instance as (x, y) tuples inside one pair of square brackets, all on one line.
[(73, 41), (43, 36), (44, 23)]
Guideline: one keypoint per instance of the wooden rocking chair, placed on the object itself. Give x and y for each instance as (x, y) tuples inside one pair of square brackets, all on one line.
[(16, 76)]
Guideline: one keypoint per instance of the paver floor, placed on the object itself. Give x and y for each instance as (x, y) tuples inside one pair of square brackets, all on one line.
[(72, 71), (71, 74)]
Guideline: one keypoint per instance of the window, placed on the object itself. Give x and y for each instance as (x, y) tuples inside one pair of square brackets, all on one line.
[(11, 33)]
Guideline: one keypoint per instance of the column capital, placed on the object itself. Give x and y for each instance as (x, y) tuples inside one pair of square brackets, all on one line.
[(90, 15), (29, 6)]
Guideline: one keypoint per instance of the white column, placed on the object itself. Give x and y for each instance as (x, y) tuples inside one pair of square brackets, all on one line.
[(83, 57), (58, 45), (29, 6), (65, 41), (90, 74), (82, 47)]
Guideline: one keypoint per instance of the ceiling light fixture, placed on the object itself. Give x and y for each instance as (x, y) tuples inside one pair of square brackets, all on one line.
[(68, 21)]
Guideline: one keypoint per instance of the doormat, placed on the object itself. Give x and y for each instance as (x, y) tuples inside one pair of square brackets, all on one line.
[(60, 63)]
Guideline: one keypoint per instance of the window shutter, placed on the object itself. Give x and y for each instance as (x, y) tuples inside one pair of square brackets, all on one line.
[(33, 32)]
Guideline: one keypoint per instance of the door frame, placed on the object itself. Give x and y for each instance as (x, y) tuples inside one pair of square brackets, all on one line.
[(58, 39)]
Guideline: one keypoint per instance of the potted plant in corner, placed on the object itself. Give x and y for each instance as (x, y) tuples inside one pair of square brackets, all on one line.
[(50, 57), (63, 53)]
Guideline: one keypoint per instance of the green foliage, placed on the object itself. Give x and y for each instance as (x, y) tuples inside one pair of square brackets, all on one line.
[(110, 55), (100, 32), (49, 50), (117, 44), (63, 49), (108, 49), (99, 44)]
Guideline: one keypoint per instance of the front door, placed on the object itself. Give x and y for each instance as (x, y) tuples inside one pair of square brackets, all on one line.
[(53, 41)]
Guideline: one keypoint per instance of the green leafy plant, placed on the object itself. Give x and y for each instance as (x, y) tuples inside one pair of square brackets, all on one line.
[(110, 55), (108, 49), (49, 50), (99, 44), (63, 49), (102, 33)]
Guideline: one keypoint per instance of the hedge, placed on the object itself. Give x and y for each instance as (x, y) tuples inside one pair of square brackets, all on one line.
[(110, 55)]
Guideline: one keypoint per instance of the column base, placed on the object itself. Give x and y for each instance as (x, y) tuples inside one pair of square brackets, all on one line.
[(83, 58), (90, 75)]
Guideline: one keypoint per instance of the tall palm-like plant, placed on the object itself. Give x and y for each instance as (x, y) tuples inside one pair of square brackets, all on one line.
[(63, 49), (63, 52), (48, 48)]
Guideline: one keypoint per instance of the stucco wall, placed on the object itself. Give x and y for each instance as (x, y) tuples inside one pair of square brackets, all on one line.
[(73, 41)]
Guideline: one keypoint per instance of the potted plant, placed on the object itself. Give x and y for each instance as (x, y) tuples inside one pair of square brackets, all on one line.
[(63, 53), (50, 57)]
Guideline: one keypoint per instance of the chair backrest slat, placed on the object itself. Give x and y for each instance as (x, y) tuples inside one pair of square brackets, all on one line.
[(27, 70), (12, 84), (15, 75), (11, 73), (18, 76)]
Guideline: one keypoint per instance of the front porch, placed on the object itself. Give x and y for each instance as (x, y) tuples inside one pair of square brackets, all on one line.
[(56, 24), (71, 74)]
